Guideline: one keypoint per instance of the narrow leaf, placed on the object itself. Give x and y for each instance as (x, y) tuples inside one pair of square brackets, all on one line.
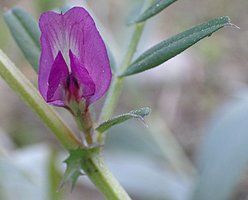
[(154, 9), (25, 31), (139, 114), (25, 89), (175, 45)]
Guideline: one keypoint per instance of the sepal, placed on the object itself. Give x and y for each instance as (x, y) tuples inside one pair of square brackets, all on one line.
[(74, 164)]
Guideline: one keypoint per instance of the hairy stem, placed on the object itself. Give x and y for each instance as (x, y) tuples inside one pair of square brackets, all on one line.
[(116, 86), (117, 83), (99, 174)]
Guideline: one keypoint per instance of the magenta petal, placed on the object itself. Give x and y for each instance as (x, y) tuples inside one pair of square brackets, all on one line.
[(93, 55), (63, 31), (57, 81), (76, 31), (81, 74)]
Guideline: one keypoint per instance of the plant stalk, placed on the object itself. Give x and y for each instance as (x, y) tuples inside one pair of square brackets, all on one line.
[(96, 169), (117, 82)]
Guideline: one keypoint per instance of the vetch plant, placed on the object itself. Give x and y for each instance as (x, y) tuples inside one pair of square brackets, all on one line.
[(74, 72)]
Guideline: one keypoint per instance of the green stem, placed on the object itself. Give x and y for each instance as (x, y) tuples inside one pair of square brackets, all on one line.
[(99, 174), (86, 128), (54, 177), (117, 82), (95, 168), (83, 119)]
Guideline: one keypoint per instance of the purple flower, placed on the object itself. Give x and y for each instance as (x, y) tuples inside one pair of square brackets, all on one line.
[(74, 64)]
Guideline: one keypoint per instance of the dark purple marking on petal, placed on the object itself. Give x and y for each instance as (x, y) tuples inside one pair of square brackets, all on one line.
[(72, 89)]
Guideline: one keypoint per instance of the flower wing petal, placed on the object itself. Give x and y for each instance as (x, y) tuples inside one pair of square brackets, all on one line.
[(57, 81), (85, 82)]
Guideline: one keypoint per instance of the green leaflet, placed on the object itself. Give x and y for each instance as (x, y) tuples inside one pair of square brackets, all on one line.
[(154, 9), (25, 31), (139, 114), (175, 45)]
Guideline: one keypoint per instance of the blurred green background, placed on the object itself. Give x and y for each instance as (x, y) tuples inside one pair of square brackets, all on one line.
[(184, 93)]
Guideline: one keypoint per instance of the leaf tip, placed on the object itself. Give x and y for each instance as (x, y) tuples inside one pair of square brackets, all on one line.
[(234, 26), (229, 23), (6, 13), (12, 10)]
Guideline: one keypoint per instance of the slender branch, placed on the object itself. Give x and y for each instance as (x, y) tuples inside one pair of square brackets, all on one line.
[(117, 83), (100, 175), (116, 86), (95, 168)]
